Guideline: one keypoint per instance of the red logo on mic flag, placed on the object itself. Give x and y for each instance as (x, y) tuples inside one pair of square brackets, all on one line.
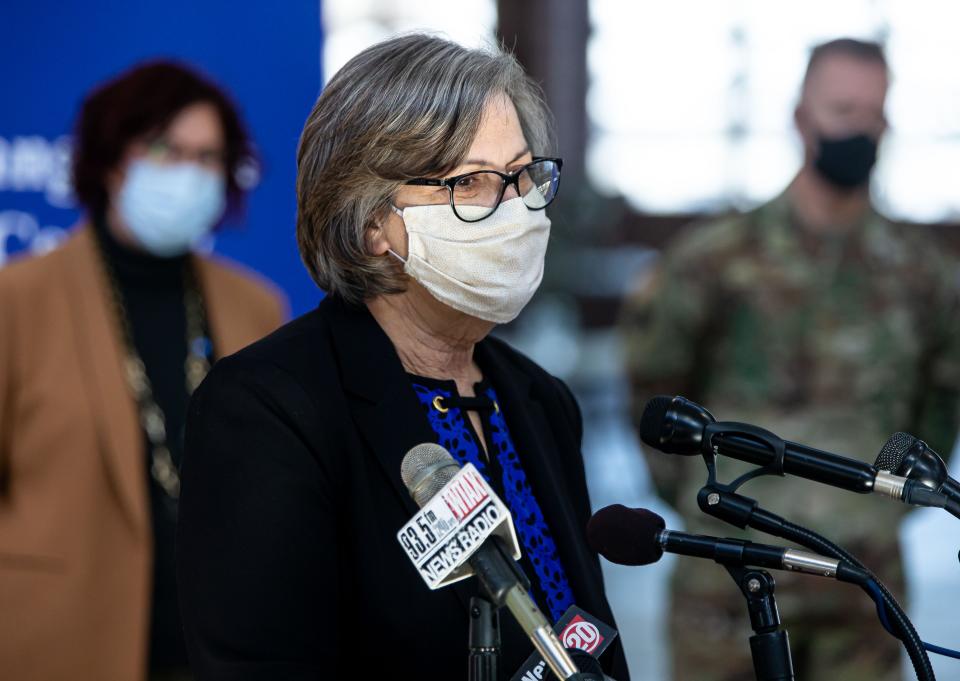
[(465, 493), (581, 634)]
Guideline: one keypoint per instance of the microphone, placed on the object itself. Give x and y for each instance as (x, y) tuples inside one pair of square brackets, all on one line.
[(587, 664), (579, 631), (676, 425), (905, 455), (426, 470), (636, 536)]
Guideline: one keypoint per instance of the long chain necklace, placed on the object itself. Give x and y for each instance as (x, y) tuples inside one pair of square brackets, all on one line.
[(197, 364)]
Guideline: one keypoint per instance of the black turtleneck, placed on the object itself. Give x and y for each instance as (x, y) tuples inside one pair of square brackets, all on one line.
[(152, 291)]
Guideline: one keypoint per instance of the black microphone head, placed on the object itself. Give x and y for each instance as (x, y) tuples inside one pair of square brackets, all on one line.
[(588, 666), (626, 536), (651, 423), (674, 424), (894, 449), (908, 457)]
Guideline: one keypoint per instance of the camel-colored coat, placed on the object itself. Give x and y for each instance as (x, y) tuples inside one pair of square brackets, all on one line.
[(75, 532)]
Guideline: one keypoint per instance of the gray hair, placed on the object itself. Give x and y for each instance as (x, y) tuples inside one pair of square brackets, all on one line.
[(405, 108)]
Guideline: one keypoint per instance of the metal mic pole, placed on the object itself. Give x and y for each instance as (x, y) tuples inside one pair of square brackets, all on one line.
[(484, 640)]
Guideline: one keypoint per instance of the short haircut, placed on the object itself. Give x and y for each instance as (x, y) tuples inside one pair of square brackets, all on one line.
[(864, 50), (140, 103), (404, 108)]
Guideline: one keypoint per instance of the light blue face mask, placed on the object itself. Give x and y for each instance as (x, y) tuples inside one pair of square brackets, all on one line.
[(168, 208)]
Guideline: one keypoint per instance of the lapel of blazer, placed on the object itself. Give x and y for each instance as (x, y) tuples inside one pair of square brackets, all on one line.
[(381, 399), (389, 416), (540, 453), (112, 405), (223, 308)]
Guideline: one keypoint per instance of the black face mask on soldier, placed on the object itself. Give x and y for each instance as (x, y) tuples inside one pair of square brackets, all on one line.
[(846, 162)]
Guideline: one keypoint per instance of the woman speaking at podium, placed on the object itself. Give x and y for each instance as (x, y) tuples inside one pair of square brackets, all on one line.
[(424, 172)]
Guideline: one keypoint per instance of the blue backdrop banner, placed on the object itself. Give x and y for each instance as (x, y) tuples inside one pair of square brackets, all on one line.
[(266, 55)]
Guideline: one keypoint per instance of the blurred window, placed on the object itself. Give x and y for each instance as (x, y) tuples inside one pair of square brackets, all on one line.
[(691, 103), (350, 26)]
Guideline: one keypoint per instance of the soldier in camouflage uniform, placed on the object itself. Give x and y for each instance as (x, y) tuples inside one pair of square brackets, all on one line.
[(832, 328)]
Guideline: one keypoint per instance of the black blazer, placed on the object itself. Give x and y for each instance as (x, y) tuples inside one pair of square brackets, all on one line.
[(288, 562)]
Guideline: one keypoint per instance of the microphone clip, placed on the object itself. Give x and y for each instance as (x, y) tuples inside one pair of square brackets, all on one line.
[(727, 505), (770, 644), (757, 587), (709, 450)]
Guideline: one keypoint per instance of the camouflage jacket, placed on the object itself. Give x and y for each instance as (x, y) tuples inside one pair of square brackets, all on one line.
[(834, 341)]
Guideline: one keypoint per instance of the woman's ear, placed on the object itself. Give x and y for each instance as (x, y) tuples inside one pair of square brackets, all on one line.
[(375, 238), (386, 232)]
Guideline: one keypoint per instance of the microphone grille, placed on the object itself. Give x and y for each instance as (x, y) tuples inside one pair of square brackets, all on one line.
[(894, 450), (651, 423), (425, 469)]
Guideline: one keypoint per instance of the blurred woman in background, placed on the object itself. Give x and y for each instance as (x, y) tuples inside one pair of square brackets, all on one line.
[(101, 343)]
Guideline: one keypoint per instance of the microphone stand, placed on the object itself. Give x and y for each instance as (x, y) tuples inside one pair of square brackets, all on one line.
[(769, 645), (723, 502), (485, 645), (484, 640)]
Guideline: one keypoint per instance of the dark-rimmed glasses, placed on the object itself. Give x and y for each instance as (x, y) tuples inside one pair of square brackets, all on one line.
[(476, 195), (164, 151)]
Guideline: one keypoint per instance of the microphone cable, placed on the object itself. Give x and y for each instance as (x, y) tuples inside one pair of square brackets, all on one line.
[(916, 648), (885, 621)]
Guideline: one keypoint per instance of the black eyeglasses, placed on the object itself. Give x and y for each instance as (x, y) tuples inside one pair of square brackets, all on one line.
[(475, 196)]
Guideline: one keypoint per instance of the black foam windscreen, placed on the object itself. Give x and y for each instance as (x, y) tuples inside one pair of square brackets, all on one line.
[(587, 664), (626, 536), (651, 422)]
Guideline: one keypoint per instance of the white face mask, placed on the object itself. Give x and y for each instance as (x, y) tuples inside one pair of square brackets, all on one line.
[(488, 269), (168, 208)]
